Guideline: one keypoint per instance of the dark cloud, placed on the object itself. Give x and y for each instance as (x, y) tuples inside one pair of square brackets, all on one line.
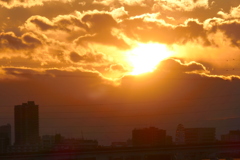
[(94, 27), (135, 10), (70, 25), (174, 65), (22, 73), (10, 41), (43, 86), (105, 39), (97, 27), (28, 38), (217, 5), (100, 27), (99, 23), (163, 33), (117, 67), (88, 57), (95, 20), (191, 32), (75, 57), (65, 23), (41, 22), (231, 30), (172, 82), (200, 12), (68, 21), (167, 80)]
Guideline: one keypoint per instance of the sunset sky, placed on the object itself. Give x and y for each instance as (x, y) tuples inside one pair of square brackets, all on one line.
[(100, 68)]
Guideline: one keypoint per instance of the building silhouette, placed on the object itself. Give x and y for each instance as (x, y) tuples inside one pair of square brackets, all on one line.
[(194, 135), (232, 136), (200, 135), (180, 135), (26, 122), (59, 143), (150, 137), (5, 137)]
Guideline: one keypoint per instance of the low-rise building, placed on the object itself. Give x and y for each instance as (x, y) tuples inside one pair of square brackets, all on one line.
[(200, 135), (150, 137), (58, 142), (232, 136), (194, 135)]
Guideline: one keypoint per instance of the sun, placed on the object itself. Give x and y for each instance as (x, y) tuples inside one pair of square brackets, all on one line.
[(145, 57)]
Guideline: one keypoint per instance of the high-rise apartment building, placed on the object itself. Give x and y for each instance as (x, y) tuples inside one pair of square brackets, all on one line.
[(180, 135), (26, 121)]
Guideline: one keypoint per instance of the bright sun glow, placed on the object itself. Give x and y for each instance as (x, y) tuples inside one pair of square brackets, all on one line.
[(145, 57)]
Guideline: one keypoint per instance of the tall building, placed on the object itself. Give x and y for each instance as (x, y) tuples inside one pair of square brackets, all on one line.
[(149, 137), (26, 123), (5, 137), (180, 135)]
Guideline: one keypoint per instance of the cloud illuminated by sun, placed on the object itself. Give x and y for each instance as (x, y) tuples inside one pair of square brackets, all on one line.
[(145, 57)]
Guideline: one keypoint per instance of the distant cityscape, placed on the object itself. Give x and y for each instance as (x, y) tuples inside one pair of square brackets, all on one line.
[(27, 138)]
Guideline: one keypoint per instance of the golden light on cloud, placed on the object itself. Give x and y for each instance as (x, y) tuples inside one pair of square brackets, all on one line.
[(145, 57)]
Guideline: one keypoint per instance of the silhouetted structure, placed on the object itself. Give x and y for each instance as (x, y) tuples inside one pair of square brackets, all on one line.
[(194, 135), (232, 136), (5, 137), (200, 135), (26, 123), (119, 144), (127, 143), (180, 135), (59, 143), (149, 137)]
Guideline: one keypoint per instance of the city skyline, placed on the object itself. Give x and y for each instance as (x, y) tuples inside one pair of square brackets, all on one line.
[(80, 130), (26, 132), (99, 68)]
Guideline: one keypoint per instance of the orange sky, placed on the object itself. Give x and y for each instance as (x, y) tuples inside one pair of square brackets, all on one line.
[(174, 61)]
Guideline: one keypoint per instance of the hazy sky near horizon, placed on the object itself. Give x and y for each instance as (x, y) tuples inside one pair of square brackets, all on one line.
[(104, 67)]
